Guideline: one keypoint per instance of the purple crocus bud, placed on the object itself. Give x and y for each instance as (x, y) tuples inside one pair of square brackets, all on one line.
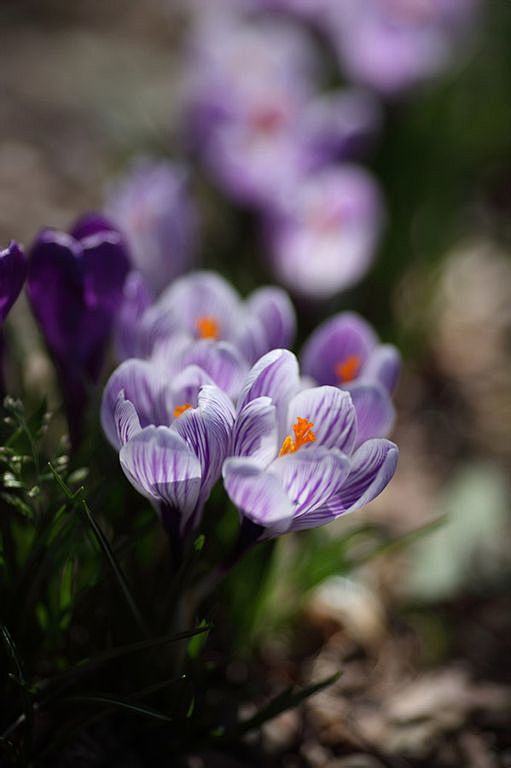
[(75, 286), (13, 271), (323, 236), (153, 208), (391, 45), (202, 305), (345, 349), (173, 437), (299, 461)]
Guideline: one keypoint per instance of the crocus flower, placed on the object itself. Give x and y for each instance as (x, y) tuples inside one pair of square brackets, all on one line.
[(391, 45), (153, 208), (299, 460), (345, 349), (13, 271), (257, 115), (204, 306), (323, 236), (74, 285), (173, 435)]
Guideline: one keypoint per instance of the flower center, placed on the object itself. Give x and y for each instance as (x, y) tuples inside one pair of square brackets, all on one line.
[(302, 429), (348, 369), (207, 327), (181, 409)]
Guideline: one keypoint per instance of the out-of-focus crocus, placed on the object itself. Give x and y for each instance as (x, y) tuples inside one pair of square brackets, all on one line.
[(345, 349), (250, 80), (75, 284), (391, 45), (323, 236), (204, 306), (257, 115), (173, 435), (299, 459), (13, 271), (153, 208)]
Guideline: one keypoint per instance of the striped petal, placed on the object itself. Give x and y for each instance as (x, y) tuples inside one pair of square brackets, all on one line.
[(208, 430), (331, 411), (274, 309), (141, 382), (256, 433), (257, 494), (311, 476), (221, 361), (373, 466), (126, 420), (276, 376), (162, 467)]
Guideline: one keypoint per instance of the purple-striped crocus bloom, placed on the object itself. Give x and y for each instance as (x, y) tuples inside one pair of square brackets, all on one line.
[(204, 306), (13, 271), (322, 237), (75, 283), (300, 456), (173, 434), (391, 45), (153, 208)]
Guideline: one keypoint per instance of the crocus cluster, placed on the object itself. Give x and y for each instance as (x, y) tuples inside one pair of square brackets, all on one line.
[(388, 45), (273, 141), (294, 451), (75, 287)]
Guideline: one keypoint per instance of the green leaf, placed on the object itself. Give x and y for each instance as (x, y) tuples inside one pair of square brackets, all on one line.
[(120, 704), (288, 699)]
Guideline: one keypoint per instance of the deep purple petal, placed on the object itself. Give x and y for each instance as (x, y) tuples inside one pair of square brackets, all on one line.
[(13, 271), (55, 291), (141, 382), (255, 432), (311, 476), (374, 409), (341, 338), (383, 366), (208, 430), (91, 224), (162, 467), (257, 494), (106, 267), (332, 414)]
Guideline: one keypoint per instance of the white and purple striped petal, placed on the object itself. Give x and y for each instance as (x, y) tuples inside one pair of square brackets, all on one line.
[(332, 414), (208, 430), (141, 382), (255, 432), (276, 376), (273, 307), (162, 466), (126, 419), (257, 494)]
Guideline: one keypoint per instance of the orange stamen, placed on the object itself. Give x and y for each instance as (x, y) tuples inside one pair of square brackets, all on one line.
[(181, 409), (207, 327), (303, 435), (348, 369)]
